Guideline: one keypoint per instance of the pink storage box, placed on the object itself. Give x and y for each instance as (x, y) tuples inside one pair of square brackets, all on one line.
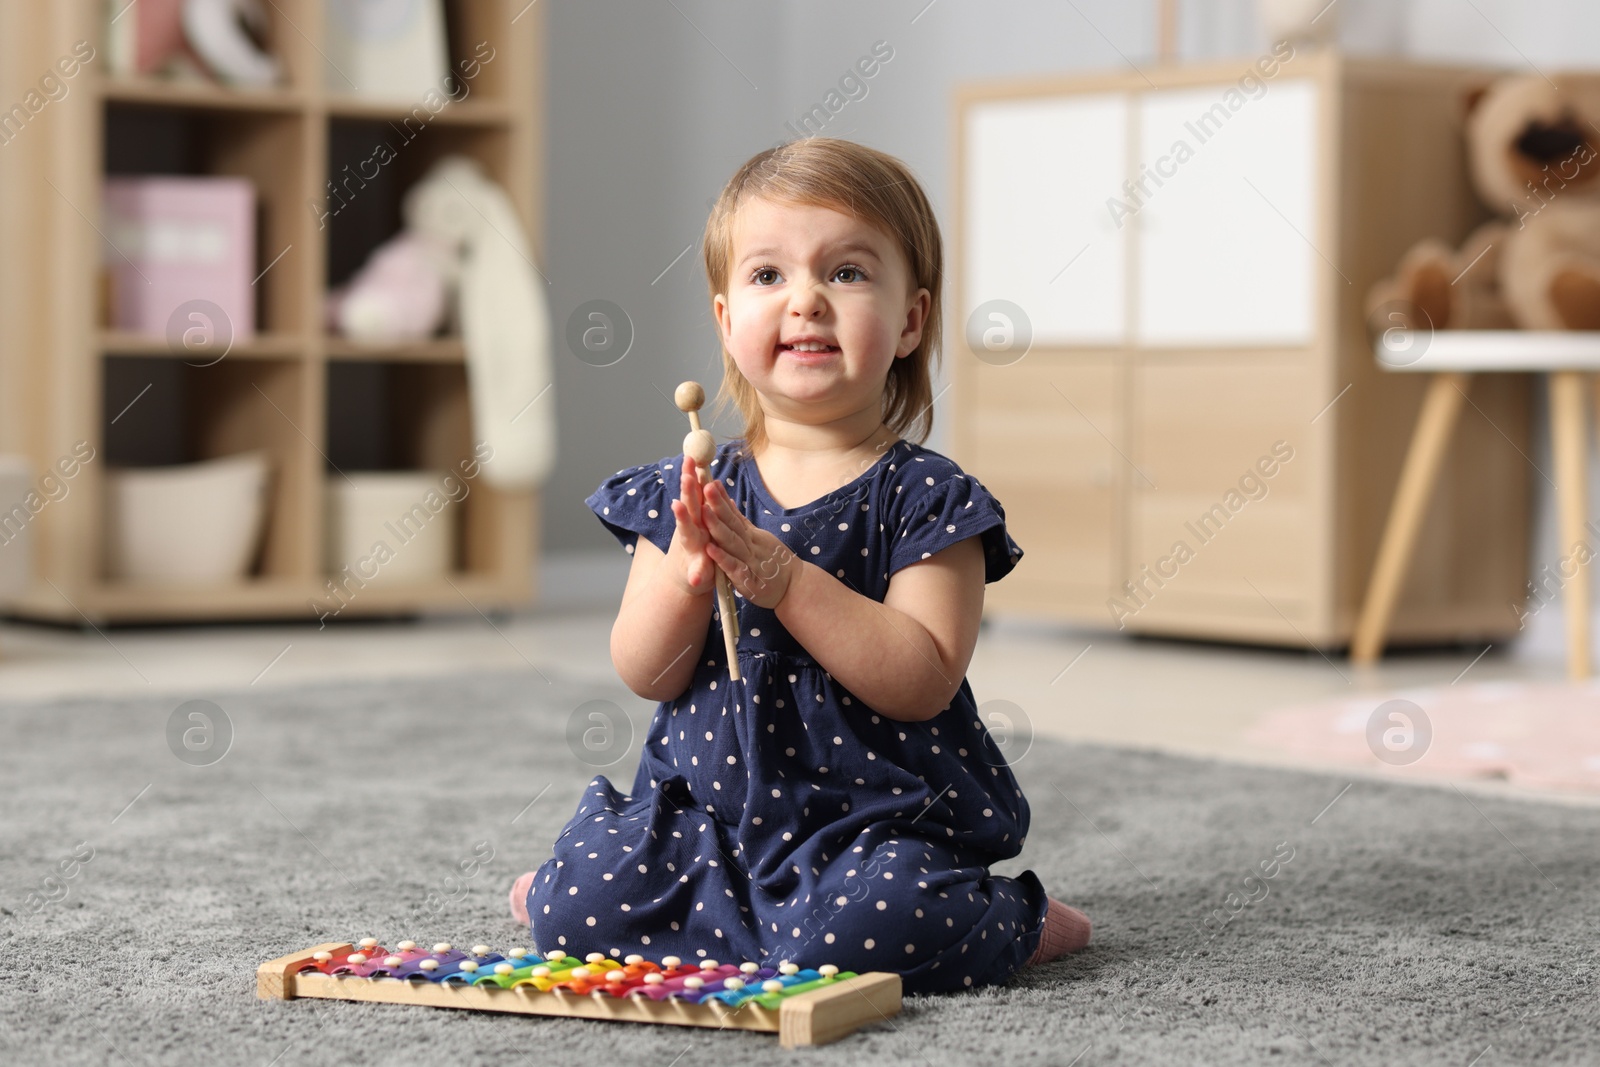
[(190, 239)]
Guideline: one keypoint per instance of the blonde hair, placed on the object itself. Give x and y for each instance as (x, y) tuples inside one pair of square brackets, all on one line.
[(877, 189)]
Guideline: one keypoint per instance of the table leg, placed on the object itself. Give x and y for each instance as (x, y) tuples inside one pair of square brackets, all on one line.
[(1440, 408), (1567, 442)]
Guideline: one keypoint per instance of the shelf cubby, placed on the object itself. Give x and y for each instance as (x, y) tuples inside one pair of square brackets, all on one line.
[(397, 416), (407, 416), (363, 207), (160, 411), (271, 149)]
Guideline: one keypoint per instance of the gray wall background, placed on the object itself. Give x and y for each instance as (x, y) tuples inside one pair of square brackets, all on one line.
[(653, 103)]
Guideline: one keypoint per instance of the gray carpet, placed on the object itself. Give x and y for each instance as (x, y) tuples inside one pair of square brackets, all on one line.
[(1412, 925)]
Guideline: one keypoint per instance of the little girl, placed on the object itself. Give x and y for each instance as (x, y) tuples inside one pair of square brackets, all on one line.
[(841, 803)]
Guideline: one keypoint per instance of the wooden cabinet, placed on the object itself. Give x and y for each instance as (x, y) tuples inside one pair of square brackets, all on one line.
[(327, 194), (1161, 364)]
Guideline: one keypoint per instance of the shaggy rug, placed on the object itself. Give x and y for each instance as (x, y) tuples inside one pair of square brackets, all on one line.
[(154, 851)]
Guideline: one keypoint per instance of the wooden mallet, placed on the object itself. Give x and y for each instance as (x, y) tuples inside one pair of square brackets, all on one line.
[(702, 448)]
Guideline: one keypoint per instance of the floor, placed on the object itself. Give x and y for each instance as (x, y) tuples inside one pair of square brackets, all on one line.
[(1179, 697)]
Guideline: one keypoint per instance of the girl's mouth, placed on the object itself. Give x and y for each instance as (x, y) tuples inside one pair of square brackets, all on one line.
[(809, 352)]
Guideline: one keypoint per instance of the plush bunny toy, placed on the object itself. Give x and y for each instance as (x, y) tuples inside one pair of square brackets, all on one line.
[(504, 319), (399, 293)]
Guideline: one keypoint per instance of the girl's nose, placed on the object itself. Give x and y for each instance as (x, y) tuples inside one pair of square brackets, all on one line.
[(808, 301)]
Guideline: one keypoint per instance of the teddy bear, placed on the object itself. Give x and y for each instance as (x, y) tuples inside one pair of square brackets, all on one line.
[(1533, 159)]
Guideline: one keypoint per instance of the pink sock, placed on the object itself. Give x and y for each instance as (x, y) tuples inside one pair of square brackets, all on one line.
[(519, 898), (1065, 930)]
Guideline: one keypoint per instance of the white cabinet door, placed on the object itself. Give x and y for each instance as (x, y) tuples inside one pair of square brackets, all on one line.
[(1225, 240), (1039, 234)]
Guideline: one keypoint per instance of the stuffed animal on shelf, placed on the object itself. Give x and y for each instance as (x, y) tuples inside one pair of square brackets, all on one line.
[(1533, 159), (505, 323), (190, 40), (464, 249), (398, 294), (224, 33)]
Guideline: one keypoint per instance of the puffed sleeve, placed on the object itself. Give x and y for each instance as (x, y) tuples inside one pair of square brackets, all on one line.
[(638, 500), (949, 511)]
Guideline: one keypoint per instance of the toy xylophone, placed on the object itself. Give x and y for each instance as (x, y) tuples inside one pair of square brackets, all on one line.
[(803, 1006)]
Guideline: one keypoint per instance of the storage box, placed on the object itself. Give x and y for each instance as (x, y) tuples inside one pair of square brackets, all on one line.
[(189, 524), (391, 526), (387, 51), (177, 241)]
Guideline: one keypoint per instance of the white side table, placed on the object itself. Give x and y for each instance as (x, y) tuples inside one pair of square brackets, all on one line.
[(1453, 357)]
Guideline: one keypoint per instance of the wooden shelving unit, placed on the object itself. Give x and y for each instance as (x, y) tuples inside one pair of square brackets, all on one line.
[(317, 404)]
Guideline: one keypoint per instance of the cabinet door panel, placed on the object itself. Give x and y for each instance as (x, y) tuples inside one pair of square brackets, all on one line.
[(1038, 232), (1223, 555), (1224, 242), (1041, 452), (1199, 428), (1229, 452)]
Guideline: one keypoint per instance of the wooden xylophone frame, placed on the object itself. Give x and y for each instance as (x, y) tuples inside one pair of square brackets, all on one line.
[(813, 1018)]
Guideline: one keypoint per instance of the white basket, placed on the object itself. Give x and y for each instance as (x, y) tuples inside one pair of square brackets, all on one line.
[(192, 524), (380, 526)]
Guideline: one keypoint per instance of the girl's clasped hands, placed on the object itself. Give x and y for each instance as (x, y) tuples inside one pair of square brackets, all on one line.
[(711, 533)]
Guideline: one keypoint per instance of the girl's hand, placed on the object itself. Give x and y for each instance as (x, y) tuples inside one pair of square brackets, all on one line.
[(760, 566), (688, 562)]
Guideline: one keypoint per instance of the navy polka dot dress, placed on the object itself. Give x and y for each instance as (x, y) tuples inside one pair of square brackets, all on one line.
[(780, 818)]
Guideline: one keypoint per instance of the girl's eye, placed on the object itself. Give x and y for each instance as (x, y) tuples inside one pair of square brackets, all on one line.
[(856, 271), (756, 277)]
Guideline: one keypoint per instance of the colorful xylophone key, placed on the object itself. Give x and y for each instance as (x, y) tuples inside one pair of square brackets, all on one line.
[(592, 966), (467, 971), (518, 966), (671, 969), (691, 986), (801, 982), (388, 965), (342, 961), (715, 989), (736, 991), (368, 959), (595, 974), (772, 983), (557, 968), (440, 961)]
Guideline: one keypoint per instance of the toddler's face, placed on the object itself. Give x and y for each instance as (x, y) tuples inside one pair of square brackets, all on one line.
[(803, 271)]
